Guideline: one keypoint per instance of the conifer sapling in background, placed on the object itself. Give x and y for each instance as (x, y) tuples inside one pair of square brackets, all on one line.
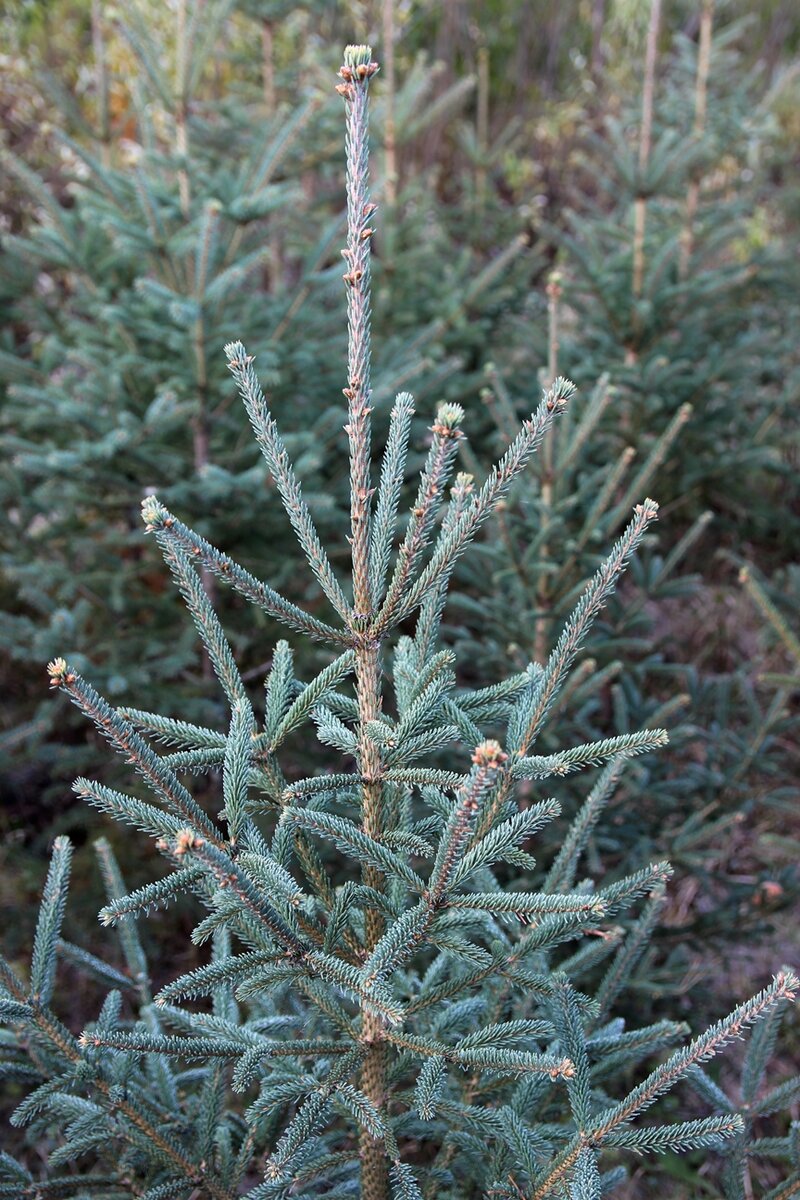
[(202, 196), (658, 308), (403, 1020)]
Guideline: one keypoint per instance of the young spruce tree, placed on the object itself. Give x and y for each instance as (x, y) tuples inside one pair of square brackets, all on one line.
[(410, 1024)]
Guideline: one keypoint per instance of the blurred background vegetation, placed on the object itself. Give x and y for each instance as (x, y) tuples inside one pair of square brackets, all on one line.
[(604, 188)]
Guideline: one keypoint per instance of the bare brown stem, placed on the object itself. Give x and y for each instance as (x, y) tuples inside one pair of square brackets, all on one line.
[(389, 125), (182, 108), (268, 65), (482, 130), (645, 145), (356, 73), (101, 83), (598, 20), (374, 1172), (700, 108)]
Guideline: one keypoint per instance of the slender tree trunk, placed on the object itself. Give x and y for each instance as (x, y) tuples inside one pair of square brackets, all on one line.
[(389, 224), (482, 130), (374, 1180), (274, 272), (356, 73), (389, 128), (598, 21), (182, 107), (558, 26), (101, 83), (200, 428), (268, 66), (453, 22), (700, 109), (645, 145)]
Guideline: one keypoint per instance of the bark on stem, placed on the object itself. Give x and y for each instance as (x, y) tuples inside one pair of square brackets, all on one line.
[(268, 66), (374, 1174), (273, 272), (700, 108), (101, 83), (598, 20), (645, 143), (482, 128), (181, 109), (389, 127), (355, 73)]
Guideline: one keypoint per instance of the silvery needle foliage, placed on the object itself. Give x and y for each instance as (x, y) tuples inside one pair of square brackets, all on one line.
[(384, 1010)]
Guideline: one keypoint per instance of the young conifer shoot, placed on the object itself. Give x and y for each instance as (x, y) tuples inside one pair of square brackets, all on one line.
[(398, 1001)]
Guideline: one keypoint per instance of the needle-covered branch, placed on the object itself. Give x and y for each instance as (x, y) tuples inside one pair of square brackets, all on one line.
[(282, 471), (450, 547), (157, 518)]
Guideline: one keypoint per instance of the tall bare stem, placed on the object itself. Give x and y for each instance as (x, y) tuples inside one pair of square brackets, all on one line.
[(101, 83), (389, 125), (268, 65), (700, 109), (645, 145), (482, 128), (356, 72), (182, 106)]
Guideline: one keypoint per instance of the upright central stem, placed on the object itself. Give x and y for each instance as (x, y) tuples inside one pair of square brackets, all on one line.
[(101, 83), (357, 278), (356, 72), (645, 142), (374, 1182), (700, 108), (181, 109)]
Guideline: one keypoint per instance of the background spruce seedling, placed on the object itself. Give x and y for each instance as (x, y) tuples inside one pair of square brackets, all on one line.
[(409, 1015)]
